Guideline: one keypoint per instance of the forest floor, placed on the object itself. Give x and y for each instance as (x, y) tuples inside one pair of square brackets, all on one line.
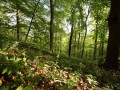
[(43, 70)]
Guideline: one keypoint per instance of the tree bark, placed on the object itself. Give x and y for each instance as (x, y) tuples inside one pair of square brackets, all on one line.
[(72, 30), (102, 49), (95, 43), (70, 41), (60, 42), (17, 25), (75, 44), (33, 16), (78, 45), (113, 47), (83, 46), (51, 23)]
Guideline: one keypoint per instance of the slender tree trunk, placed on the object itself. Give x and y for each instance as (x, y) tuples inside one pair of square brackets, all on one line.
[(72, 30), (78, 45), (113, 47), (70, 41), (55, 42), (102, 49), (60, 42), (33, 16), (83, 46), (95, 43), (18, 27), (100, 45), (51, 23), (75, 37)]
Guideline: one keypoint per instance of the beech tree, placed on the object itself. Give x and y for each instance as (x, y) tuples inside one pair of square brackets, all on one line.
[(72, 29), (51, 23), (113, 48)]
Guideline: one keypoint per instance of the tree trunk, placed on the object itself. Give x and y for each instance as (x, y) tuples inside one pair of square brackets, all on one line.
[(17, 25), (102, 49), (51, 23), (33, 16), (60, 46), (95, 43), (83, 46), (113, 47), (55, 42), (72, 29), (75, 39), (78, 45), (70, 41)]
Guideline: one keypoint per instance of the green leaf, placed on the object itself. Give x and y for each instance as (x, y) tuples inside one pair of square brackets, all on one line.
[(28, 88), (4, 88), (36, 79), (24, 59), (5, 70), (17, 60), (20, 88), (9, 72)]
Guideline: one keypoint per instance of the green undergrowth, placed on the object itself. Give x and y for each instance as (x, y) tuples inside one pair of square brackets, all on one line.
[(28, 69)]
